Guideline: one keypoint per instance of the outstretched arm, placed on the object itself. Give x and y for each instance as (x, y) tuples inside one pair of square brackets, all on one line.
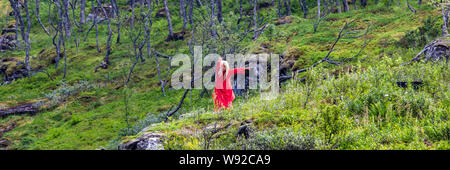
[(240, 70)]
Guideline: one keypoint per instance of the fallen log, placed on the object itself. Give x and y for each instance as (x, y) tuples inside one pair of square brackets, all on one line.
[(438, 49), (21, 109)]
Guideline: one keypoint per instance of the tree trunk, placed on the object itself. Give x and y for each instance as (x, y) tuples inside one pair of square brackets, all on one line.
[(325, 6), (82, 12), (255, 18), (169, 21), (108, 41), (445, 19), (119, 24), (183, 14), (191, 8), (241, 10), (304, 7), (410, 7), (286, 7), (67, 24), (212, 15), (219, 11), (289, 12), (279, 8), (338, 6), (318, 9), (96, 28), (39, 18), (19, 20), (345, 3), (363, 3), (27, 39)]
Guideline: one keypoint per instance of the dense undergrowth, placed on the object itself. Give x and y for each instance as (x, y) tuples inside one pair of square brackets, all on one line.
[(333, 109), (365, 109)]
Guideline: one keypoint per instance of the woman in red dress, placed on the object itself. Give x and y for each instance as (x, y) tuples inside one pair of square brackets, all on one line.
[(223, 95)]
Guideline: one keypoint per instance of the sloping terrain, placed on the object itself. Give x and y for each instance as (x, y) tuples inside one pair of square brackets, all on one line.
[(359, 104)]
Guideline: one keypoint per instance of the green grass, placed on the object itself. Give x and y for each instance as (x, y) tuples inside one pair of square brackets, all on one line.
[(92, 118)]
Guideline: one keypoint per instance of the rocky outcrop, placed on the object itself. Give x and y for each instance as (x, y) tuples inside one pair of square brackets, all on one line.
[(9, 29), (12, 69), (147, 141), (4, 143)]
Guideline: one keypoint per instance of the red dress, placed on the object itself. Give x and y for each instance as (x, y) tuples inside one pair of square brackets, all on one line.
[(223, 93)]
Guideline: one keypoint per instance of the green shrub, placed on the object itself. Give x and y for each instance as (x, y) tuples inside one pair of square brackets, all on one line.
[(438, 132), (332, 124), (276, 139)]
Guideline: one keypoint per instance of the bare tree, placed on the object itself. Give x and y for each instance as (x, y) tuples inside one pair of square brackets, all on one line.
[(444, 29), (363, 3), (169, 21), (190, 13), (62, 23), (108, 41), (82, 12), (318, 9), (319, 18), (304, 7), (219, 11), (241, 11), (67, 24), (325, 7), (77, 39), (96, 28), (39, 18), (288, 6), (18, 16), (255, 19), (135, 36), (410, 7), (24, 33), (279, 8), (27, 38), (344, 33), (345, 3), (183, 14), (338, 6), (57, 29)]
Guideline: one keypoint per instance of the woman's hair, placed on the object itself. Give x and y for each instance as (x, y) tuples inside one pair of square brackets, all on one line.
[(227, 67)]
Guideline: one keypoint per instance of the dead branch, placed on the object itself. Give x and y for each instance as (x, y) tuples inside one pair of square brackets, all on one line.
[(178, 106), (328, 57), (410, 7)]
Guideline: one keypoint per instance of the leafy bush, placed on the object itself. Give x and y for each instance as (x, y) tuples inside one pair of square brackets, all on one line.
[(438, 132), (276, 139), (65, 91), (332, 124)]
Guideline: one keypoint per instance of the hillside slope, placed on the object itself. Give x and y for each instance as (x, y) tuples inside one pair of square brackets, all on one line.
[(364, 109)]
